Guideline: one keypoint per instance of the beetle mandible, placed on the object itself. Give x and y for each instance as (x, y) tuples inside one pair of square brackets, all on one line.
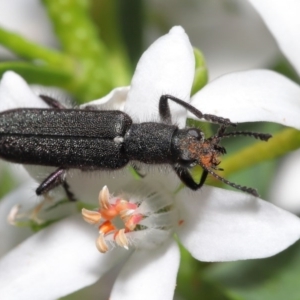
[(109, 140)]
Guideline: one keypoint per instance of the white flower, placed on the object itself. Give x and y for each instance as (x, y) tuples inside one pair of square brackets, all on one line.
[(282, 19), (213, 224), (230, 33)]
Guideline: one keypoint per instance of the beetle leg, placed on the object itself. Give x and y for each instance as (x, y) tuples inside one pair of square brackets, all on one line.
[(69, 194), (165, 114), (52, 181), (52, 102), (187, 179), (164, 110)]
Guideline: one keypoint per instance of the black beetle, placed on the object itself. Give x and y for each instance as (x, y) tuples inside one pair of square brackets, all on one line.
[(88, 139)]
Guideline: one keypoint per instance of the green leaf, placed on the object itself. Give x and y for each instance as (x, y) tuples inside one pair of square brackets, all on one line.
[(57, 204), (80, 40), (118, 35), (31, 51), (80, 205), (131, 24), (43, 75), (201, 73), (135, 173), (35, 227), (274, 278), (281, 143), (259, 177), (283, 66), (192, 285)]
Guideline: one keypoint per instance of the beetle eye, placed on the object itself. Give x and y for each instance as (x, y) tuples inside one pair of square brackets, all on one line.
[(197, 134)]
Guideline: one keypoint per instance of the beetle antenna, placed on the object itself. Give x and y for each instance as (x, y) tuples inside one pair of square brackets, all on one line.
[(222, 134), (164, 111), (219, 135), (259, 136), (245, 189)]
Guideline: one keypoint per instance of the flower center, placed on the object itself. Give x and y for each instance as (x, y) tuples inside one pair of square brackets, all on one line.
[(142, 220)]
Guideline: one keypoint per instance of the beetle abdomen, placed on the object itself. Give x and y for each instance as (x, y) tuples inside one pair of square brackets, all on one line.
[(64, 122), (69, 138), (79, 153)]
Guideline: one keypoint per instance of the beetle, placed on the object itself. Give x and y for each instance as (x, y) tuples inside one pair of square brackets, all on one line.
[(89, 139)]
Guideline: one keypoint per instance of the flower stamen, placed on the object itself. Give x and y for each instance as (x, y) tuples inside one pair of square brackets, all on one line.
[(90, 216), (13, 214), (121, 239), (104, 198), (137, 216), (101, 244)]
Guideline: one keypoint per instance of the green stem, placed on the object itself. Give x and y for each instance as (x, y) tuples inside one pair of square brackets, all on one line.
[(79, 38), (281, 143), (31, 51), (106, 16), (131, 20), (43, 75), (201, 72)]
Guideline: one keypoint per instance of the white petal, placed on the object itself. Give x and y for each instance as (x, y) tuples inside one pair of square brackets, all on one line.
[(167, 67), (250, 96), (231, 39), (102, 288), (15, 93), (55, 262), (222, 225), (11, 235), (86, 185), (285, 188), (282, 18), (39, 172), (149, 274), (115, 100)]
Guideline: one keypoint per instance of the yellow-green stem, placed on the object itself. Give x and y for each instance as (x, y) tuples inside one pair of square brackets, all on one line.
[(281, 143)]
